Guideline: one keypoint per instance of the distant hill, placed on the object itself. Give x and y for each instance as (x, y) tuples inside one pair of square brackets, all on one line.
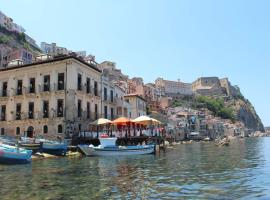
[(234, 108)]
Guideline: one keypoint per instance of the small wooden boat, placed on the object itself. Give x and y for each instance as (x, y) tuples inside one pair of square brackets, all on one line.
[(54, 147), (30, 144), (108, 148), (14, 155), (35, 147)]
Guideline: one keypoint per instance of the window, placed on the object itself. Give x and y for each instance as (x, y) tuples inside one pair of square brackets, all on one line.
[(96, 88), (2, 131), (112, 113), (96, 111), (61, 80), (79, 108), (19, 87), (60, 108), (46, 86), (4, 91), (105, 94), (80, 127), (45, 109), (79, 82), (45, 129), (105, 112), (3, 113), (111, 96), (60, 128), (18, 131), (88, 85), (88, 110), (32, 86), (18, 111), (31, 110)]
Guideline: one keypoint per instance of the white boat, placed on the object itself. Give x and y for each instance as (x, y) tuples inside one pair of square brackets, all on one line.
[(107, 147)]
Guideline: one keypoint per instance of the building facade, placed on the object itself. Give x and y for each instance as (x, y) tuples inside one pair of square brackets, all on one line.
[(168, 87), (138, 105), (214, 86), (55, 96)]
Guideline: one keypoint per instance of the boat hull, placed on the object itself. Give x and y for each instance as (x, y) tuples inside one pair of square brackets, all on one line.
[(55, 149), (37, 147), (116, 151), (12, 161), (14, 155)]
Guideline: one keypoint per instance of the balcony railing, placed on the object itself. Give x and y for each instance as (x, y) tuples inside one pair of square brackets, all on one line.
[(5, 93)]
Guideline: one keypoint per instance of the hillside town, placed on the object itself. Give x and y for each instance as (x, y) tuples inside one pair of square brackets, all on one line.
[(54, 91)]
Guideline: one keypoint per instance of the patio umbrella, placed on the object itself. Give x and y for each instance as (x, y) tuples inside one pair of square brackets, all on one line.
[(143, 120), (155, 121), (121, 121), (101, 121)]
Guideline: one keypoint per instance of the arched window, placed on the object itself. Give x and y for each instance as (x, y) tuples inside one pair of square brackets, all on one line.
[(45, 129), (18, 131), (60, 128)]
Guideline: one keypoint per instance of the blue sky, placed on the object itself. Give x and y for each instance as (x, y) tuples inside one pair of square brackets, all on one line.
[(171, 39)]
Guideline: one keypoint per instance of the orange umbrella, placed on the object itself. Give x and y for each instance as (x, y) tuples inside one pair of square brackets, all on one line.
[(121, 121)]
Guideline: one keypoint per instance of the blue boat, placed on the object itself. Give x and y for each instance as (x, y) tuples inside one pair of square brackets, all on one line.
[(54, 148), (14, 155)]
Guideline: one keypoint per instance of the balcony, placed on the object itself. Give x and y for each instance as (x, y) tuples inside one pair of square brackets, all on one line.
[(4, 95)]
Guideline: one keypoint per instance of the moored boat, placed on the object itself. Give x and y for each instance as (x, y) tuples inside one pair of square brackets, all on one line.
[(35, 147), (14, 155), (54, 148), (107, 147), (30, 144)]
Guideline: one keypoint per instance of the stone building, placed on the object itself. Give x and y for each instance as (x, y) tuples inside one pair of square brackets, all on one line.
[(49, 97), (214, 86), (173, 88)]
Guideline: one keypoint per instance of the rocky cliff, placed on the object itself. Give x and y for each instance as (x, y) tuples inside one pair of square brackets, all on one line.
[(246, 113), (235, 108)]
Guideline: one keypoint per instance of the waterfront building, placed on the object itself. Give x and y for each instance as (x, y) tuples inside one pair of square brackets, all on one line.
[(173, 88), (138, 105), (123, 108), (108, 98), (49, 97)]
